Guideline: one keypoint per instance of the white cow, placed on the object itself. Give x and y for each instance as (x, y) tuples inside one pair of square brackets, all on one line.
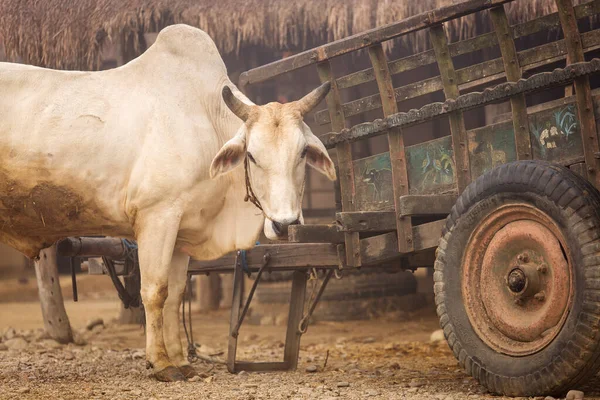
[(148, 151)]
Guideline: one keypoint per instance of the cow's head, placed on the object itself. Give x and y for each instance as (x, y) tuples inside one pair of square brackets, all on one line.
[(278, 145)]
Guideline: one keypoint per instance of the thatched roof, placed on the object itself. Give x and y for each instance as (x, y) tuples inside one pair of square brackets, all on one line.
[(70, 34)]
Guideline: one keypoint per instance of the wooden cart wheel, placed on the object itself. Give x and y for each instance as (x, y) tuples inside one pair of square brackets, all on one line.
[(517, 279)]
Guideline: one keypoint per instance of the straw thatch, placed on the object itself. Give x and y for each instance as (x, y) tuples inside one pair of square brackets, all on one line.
[(70, 34)]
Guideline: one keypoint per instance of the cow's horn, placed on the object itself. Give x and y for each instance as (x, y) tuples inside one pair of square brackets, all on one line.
[(311, 100), (238, 107)]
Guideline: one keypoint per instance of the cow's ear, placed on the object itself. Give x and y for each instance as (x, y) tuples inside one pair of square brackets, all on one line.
[(230, 156), (317, 157)]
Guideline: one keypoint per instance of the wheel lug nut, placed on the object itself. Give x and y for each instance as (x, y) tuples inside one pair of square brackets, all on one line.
[(541, 296), (542, 268), (518, 301), (523, 258)]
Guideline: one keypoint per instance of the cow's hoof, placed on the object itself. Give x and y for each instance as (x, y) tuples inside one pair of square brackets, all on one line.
[(188, 371), (169, 374)]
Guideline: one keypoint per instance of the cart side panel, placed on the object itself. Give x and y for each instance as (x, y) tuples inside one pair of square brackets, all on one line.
[(555, 137)]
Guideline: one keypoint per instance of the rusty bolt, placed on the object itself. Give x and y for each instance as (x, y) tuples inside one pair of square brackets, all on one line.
[(540, 296), (523, 258), (542, 268), (518, 301)]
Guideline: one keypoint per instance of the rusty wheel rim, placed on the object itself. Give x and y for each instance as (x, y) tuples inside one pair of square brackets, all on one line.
[(517, 280)]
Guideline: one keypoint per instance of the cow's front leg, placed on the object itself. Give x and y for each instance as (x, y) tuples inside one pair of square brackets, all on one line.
[(156, 234), (171, 330)]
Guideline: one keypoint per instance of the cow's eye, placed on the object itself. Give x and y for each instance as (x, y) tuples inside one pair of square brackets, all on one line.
[(303, 154), (250, 157)]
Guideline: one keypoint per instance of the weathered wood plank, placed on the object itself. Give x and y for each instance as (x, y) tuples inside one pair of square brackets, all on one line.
[(555, 137), (344, 158), (467, 46), (301, 255), (373, 183), (513, 74), (295, 313), (457, 122), (379, 248), (427, 236), (556, 134), (384, 247), (589, 136), (425, 205), (489, 146), (56, 321), (501, 92), (366, 221), (469, 77), (431, 166), (418, 60), (315, 234), (366, 39), (396, 145)]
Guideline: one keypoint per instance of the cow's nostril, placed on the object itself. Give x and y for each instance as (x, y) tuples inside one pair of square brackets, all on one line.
[(277, 228), (296, 222)]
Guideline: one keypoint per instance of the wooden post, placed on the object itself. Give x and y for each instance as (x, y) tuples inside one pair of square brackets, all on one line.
[(513, 74), (585, 105), (457, 123), (344, 157), (54, 314), (396, 145), (293, 334), (208, 290)]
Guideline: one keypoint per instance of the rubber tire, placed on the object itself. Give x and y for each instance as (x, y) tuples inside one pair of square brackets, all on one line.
[(574, 355)]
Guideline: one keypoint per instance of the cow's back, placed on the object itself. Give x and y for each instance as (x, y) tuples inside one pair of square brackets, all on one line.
[(72, 142)]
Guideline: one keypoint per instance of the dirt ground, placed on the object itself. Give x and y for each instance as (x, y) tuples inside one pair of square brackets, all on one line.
[(388, 358)]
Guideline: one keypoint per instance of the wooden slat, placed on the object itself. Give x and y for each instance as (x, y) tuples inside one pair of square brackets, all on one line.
[(296, 310), (501, 92), (384, 247), (583, 92), (314, 234), (366, 221), (281, 255), (466, 46), (424, 205), (457, 122), (469, 77), (513, 74), (396, 145), (234, 317), (344, 158), (489, 146), (419, 60), (366, 39)]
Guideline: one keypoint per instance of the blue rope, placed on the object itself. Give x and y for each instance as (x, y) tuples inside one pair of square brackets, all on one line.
[(129, 244), (244, 262), (245, 267)]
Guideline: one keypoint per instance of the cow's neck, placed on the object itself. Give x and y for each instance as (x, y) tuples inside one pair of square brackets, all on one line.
[(248, 220)]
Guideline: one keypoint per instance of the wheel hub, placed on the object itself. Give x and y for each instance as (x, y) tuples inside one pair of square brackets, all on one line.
[(517, 280)]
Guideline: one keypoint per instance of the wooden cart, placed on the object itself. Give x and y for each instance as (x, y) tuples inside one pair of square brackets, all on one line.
[(507, 213)]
